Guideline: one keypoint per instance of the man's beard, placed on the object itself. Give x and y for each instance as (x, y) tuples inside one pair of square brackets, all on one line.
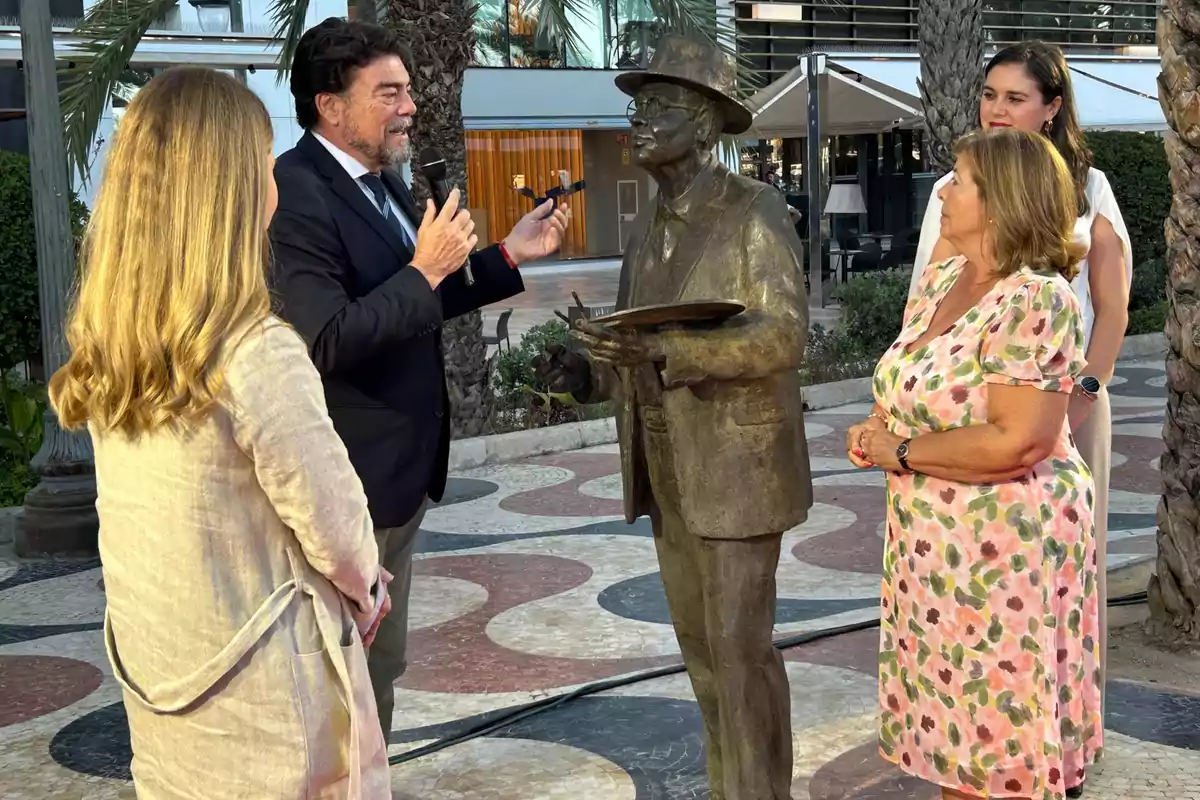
[(380, 154)]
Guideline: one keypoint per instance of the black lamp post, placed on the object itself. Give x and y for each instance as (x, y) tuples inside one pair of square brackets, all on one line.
[(215, 15), (221, 16)]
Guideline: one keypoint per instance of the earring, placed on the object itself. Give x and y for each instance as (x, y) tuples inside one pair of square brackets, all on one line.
[(1048, 128)]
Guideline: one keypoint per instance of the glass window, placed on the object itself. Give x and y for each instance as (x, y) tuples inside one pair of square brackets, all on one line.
[(502, 162), (886, 21), (491, 34), (507, 34), (633, 31), (770, 33), (59, 9)]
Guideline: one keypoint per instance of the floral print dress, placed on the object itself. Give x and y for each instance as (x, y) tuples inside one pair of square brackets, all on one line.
[(988, 680)]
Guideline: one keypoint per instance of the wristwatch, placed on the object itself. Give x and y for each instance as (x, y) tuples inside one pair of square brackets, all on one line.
[(902, 455), (1091, 386)]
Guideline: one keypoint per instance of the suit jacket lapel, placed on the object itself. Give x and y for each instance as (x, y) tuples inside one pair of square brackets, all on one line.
[(349, 190), (634, 262), (703, 220)]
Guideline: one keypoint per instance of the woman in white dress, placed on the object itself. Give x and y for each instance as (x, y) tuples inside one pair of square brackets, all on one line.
[(240, 567), (1028, 86)]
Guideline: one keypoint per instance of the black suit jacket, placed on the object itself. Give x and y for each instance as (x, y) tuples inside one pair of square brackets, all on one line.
[(342, 278)]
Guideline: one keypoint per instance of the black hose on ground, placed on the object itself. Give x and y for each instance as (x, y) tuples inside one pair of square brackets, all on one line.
[(545, 704)]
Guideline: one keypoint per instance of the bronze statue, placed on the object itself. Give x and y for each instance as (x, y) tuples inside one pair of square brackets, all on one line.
[(710, 415)]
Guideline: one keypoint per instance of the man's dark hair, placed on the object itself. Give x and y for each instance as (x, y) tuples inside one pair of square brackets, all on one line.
[(329, 55)]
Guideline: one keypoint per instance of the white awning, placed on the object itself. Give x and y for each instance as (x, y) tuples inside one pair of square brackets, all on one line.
[(1127, 105), (850, 103), (228, 51), (1103, 106)]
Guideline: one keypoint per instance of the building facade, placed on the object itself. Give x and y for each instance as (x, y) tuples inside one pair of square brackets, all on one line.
[(870, 48), (530, 110), (772, 34)]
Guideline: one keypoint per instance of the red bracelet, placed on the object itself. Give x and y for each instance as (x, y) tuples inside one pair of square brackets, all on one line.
[(507, 256)]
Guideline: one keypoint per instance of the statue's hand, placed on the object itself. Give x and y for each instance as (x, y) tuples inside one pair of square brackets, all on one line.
[(619, 348), (564, 371)]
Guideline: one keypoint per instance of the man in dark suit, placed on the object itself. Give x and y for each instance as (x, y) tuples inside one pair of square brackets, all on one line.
[(367, 280)]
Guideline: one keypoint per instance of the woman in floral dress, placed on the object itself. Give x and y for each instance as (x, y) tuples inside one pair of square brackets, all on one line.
[(988, 656)]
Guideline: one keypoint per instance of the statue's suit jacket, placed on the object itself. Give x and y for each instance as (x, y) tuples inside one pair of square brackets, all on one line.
[(731, 398)]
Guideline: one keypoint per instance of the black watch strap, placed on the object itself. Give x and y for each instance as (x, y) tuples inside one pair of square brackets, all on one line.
[(902, 455)]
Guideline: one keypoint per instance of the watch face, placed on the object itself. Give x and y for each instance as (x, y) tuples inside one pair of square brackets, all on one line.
[(902, 450), (1089, 384)]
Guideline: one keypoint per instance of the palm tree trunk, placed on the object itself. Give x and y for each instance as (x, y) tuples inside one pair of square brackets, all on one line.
[(1175, 589), (441, 36), (951, 48)]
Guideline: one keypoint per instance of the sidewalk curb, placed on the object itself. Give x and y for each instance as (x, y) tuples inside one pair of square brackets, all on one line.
[(1143, 346), (503, 448), (838, 393), (1132, 576), (485, 451)]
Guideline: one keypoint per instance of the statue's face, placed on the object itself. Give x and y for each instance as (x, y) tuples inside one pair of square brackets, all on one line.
[(666, 123)]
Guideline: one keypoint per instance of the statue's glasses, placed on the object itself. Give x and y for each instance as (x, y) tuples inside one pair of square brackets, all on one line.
[(651, 107)]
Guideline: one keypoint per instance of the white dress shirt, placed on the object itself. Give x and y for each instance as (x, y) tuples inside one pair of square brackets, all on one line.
[(356, 170)]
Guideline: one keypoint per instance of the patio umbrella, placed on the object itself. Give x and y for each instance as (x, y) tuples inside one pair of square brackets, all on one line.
[(850, 103)]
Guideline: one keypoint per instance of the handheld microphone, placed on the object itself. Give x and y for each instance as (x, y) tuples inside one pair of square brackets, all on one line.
[(432, 167)]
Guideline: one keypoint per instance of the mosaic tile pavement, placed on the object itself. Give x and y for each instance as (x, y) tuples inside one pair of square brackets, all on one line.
[(528, 585)]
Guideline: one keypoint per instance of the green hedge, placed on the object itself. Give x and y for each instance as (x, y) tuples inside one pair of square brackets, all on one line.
[(16, 479), (22, 406), (523, 401), (1137, 169), (512, 374), (872, 311), (20, 326)]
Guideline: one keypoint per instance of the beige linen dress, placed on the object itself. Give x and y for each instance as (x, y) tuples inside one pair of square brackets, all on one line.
[(230, 556)]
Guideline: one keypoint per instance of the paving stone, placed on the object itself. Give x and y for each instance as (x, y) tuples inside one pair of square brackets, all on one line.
[(528, 584)]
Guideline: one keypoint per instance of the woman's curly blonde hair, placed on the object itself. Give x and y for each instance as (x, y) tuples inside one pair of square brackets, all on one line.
[(174, 258)]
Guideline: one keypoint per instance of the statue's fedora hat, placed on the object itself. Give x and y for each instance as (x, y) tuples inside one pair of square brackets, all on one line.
[(697, 65)]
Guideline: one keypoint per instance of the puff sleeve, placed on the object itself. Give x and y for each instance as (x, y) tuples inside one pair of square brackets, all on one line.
[(1036, 338)]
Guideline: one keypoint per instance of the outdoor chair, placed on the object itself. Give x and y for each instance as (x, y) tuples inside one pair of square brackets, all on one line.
[(867, 259), (501, 331), (899, 257)]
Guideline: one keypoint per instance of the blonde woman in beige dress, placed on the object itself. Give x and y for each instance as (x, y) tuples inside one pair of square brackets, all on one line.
[(239, 559)]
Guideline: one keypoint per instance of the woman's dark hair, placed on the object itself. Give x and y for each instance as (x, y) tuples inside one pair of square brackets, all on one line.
[(1046, 65), (328, 56)]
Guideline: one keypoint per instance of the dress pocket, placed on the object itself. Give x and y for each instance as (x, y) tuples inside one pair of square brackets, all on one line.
[(323, 716)]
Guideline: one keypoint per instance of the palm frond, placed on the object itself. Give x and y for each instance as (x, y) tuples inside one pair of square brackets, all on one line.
[(289, 18), (490, 42), (557, 21), (369, 10), (109, 33), (699, 18)]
